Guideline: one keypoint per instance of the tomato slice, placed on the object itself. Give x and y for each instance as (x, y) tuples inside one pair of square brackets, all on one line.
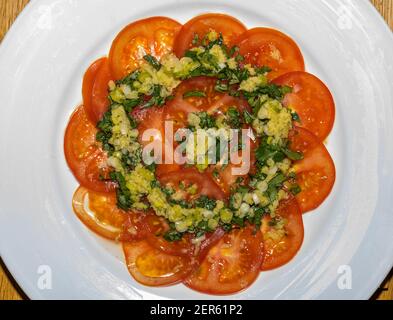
[(153, 267), (229, 27), (316, 173), (312, 101), (158, 226), (283, 244), (272, 48), (99, 212), (195, 104), (191, 176), (231, 265), (154, 36), (150, 118), (88, 84), (225, 102), (99, 94), (84, 156), (224, 177), (153, 118), (134, 227)]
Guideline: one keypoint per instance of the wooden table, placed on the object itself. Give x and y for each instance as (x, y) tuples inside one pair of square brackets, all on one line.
[(9, 9)]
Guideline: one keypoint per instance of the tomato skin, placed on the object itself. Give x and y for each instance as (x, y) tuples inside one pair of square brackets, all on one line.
[(316, 173), (311, 100), (134, 227), (206, 185), (153, 36), (222, 105), (152, 267), (272, 48), (185, 247), (197, 104), (157, 227), (88, 84), (99, 95), (83, 154), (108, 220), (231, 265), (228, 26), (153, 118), (224, 177), (280, 252)]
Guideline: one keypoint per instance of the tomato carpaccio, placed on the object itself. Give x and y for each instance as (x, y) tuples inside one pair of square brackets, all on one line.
[(225, 258)]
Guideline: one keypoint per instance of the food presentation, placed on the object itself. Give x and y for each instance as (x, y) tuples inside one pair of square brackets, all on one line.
[(198, 148)]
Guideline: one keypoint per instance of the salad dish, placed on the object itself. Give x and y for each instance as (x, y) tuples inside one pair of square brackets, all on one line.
[(198, 148)]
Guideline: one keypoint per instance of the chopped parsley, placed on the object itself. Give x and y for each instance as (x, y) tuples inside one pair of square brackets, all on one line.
[(194, 93)]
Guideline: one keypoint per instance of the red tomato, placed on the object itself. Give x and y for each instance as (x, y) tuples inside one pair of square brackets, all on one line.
[(103, 216), (154, 36), (316, 173), (229, 27), (231, 265), (150, 118), (158, 226), (84, 156), (282, 246), (153, 118), (87, 87), (153, 267), (99, 95), (195, 104), (134, 227), (312, 101), (224, 176), (269, 47), (191, 176), (222, 105)]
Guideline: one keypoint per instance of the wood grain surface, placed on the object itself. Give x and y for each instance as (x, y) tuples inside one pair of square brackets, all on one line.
[(9, 9)]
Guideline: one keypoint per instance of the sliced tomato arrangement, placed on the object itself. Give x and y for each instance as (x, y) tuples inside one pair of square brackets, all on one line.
[(282, 245), (84, 156), (271, 48), (231, 265), (229, 257), (154, 36), (311, 100), (316, 173), (198, 27)]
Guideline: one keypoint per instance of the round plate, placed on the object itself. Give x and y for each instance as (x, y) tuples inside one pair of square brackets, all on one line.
[(348, 247)]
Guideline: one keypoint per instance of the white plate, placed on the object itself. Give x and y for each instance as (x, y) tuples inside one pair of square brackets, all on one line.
[(42, 61)]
